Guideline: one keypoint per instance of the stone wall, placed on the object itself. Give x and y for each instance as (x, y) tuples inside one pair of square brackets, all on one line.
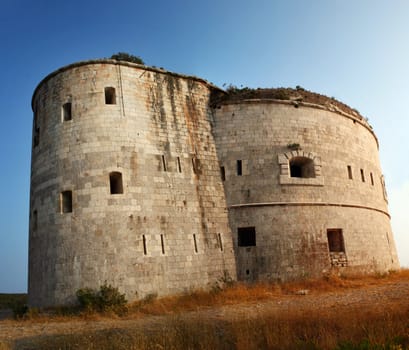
[(138, 181), (291, 216), (167, 232)]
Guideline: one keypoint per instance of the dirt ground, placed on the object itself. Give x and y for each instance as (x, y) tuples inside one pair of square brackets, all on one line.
[(393, 292)]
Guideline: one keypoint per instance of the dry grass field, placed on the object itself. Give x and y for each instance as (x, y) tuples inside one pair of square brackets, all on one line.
[(370, 312)]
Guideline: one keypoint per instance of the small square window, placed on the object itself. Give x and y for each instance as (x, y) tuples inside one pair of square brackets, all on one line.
[(246, 236), (335, 240)]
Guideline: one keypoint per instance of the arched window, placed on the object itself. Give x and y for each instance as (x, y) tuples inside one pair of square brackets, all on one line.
[(110, 98), (302, 167), (115, 183)]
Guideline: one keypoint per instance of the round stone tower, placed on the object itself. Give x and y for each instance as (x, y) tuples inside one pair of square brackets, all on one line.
[(303, 185), (125, 184)]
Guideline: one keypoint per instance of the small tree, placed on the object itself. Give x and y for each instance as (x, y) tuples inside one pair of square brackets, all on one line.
[(123, 56)]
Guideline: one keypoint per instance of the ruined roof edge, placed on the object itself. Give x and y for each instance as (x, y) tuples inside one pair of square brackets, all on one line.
[(122, 63)]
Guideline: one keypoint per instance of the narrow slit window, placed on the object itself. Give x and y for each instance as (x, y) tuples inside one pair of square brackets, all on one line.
[(110, 98), (66, 112), (372, 182), (196, 167), (66, 202), (239, 168), (162, 242), (164, 163), (115, 183), (223, 173), (178, 165), (195, 242), (335, 240), (35, 220), (246, 236), (144, 245), (349, 172), (219, 238), (36, 130), (36, 138), (362, 175)]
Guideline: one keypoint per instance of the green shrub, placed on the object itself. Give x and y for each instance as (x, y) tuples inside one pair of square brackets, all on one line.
[(123, 56), (107, 298)]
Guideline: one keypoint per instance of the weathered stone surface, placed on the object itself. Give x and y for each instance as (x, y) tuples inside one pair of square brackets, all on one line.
[(165, 228)]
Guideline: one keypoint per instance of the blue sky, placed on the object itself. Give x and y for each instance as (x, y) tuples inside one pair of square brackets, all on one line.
[(355, 51)]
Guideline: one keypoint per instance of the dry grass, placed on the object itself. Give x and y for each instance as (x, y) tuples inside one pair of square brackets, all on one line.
[(372, 326), (243, 293)]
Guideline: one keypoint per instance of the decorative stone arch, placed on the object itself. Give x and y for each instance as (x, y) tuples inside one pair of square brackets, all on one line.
[(299, 167)]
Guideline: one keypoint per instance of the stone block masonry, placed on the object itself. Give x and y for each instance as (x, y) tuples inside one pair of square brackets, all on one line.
[(140, 180)]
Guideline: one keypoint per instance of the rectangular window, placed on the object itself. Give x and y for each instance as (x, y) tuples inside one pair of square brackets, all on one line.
[(110, 98), (239, 168), (66, 112), (246, 236), (223, 173), (115, 183), (362, 175), (372, 182), (195, 243), (335, 240), (144, 245), (66, 202), (178, 165), (36, 137), (349, 172), (162, 242)]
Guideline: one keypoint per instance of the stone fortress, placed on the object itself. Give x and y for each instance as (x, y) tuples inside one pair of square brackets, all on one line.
[(157, 182)]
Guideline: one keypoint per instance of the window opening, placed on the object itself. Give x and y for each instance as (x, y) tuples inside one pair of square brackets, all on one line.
[(302, 167), (144, 245), (115, 183), (162, 242), (36, 137), (239, 168), (335, 240), (66, 112), (246, 236), (196, 165), (223, 173), (66, 202), (179, 165), (362, 175), (219, 238), (195, 243), (164, 163), (372, 182), (349, 172), (110, 98), (35, 220)]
